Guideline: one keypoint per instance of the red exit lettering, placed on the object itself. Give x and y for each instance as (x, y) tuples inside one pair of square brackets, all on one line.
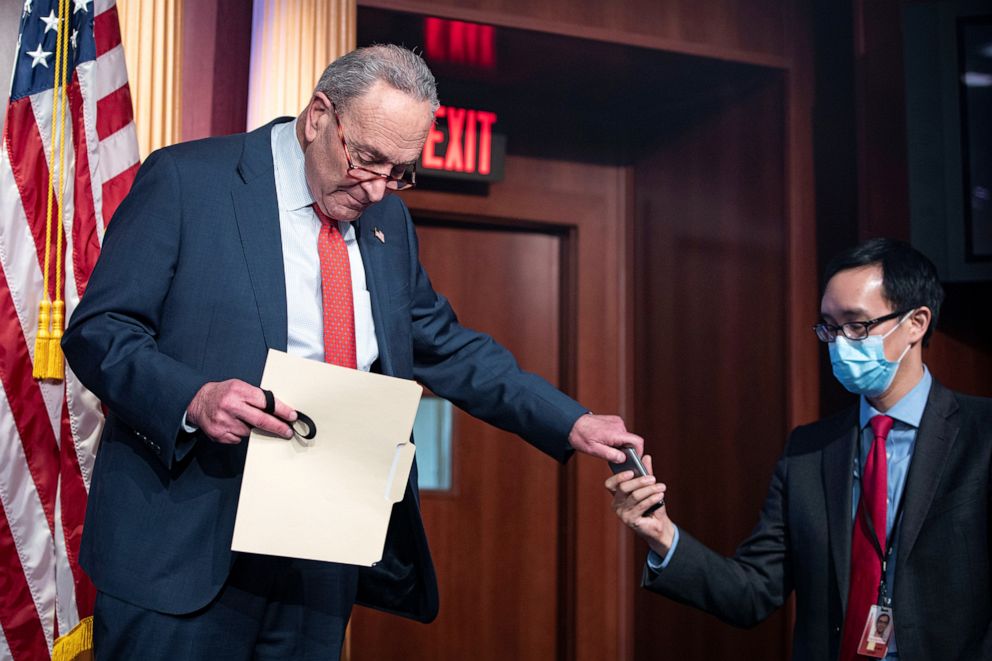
[(470, 141)]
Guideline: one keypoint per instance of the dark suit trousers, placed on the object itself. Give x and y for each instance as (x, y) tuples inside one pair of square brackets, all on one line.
[(269, 608)]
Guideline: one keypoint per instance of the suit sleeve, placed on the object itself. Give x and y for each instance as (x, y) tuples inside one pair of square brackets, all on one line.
[(111, 340), (741, 590), (478, 375)]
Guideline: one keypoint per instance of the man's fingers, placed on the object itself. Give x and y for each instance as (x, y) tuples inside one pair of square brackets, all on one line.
[(648, 491), (640, 508), (278, 407), (285, 411), (257, 415), (605, 451), (614, 480), (229, 438), (632, 439), (630, 486), (262, 420), (648, 466)]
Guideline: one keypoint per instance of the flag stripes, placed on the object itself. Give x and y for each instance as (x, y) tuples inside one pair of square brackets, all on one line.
[(49, 429)]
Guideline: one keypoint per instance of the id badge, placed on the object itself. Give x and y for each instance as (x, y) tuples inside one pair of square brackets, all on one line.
[(878, 628)]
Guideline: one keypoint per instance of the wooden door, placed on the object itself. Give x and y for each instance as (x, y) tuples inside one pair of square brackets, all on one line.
[(495, 535)]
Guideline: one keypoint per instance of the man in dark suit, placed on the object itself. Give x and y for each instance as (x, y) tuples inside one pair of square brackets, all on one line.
[(903, 476), (281, 238)]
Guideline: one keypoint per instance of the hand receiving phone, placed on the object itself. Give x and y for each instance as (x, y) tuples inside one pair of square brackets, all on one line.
[(633, 463)]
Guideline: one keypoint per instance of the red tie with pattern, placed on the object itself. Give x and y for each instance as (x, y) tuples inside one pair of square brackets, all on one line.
[(335, 280), (866, 566)]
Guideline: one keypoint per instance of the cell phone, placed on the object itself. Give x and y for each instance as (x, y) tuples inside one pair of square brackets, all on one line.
[(633, 463)]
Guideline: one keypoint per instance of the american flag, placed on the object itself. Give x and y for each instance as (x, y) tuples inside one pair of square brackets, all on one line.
[(49, 429)]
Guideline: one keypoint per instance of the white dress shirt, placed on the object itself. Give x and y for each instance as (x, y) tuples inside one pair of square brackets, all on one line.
[(299, 227)]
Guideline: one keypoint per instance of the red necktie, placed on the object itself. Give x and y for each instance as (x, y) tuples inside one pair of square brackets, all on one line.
[(335, 280), (866, 566)]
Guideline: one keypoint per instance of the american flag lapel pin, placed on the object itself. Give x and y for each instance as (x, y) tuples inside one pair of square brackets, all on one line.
[(379, 234)]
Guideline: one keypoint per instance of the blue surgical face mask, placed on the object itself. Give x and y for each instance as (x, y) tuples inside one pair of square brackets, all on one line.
[(861, 365)]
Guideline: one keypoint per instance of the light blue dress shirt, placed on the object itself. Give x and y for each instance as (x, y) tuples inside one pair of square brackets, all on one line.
[(899, 447)]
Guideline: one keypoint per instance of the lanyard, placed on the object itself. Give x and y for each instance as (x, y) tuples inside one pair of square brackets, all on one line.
[(884, 599)]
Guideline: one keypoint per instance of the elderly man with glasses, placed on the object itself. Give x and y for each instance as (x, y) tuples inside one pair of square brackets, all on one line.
[(285, 238), (882, 513)]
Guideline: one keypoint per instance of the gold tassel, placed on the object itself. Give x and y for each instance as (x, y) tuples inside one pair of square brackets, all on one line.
[(56, 361), (77, 645), (40, 369)]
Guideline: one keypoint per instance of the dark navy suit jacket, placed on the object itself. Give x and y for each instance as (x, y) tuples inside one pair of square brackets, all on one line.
[(190, 288), (942, 599)]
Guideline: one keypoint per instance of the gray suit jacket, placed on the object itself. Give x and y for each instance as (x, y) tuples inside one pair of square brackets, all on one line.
[(942, 593)]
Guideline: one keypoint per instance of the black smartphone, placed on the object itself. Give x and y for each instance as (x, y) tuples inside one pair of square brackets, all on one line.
[(633, 463)]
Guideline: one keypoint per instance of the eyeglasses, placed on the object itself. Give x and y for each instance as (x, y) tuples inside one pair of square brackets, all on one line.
[(852, 330), (406, 179)]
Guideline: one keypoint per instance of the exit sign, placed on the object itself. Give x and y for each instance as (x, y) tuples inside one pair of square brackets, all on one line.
[(462, 144)]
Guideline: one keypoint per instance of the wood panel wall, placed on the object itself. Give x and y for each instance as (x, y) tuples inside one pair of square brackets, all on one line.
[(711, 387), (593, 201)]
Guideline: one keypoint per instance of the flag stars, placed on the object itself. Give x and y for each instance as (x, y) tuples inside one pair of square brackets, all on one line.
[(39, 56), (51, 22), (27, 7), (74, 38), (81, 6)]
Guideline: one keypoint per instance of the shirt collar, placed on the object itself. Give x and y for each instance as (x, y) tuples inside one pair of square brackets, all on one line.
[(291, 180), (908, 410)]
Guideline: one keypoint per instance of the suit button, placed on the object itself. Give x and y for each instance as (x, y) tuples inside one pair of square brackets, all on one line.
[(155, 448)]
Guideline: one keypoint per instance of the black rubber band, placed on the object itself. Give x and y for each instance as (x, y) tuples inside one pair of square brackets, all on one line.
[(270, 402), (308, 421)]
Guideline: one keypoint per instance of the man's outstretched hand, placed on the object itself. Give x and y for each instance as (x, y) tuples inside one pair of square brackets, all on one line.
[(601, 436)]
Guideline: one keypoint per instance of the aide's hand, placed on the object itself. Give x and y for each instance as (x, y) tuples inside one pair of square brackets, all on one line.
[(632, 496), (599, 435), (226, 411)]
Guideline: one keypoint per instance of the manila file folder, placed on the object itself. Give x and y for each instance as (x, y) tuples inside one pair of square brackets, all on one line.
[(328, 498)]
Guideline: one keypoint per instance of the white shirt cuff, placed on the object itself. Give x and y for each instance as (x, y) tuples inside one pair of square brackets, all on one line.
[(192, 429)]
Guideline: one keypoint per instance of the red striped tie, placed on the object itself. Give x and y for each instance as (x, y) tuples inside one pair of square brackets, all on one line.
[(339, 307), (866, 566)]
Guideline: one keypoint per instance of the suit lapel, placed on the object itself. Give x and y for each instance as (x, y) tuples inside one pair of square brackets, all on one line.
[(257, 212), (934, 441), (838, 463), (378, 283)]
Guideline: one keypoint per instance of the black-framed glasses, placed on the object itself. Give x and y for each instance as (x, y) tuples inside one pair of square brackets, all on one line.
[(402, 181), (852, 330)]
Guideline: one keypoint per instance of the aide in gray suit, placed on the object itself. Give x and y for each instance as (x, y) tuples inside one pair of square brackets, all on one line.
[(883, 297), (196, 281)]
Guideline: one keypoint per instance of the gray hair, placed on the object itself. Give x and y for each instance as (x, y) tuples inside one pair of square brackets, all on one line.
[(353, 74)]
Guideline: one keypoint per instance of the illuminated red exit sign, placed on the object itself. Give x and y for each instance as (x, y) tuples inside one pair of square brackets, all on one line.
[(459, 42), (463, 144)]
